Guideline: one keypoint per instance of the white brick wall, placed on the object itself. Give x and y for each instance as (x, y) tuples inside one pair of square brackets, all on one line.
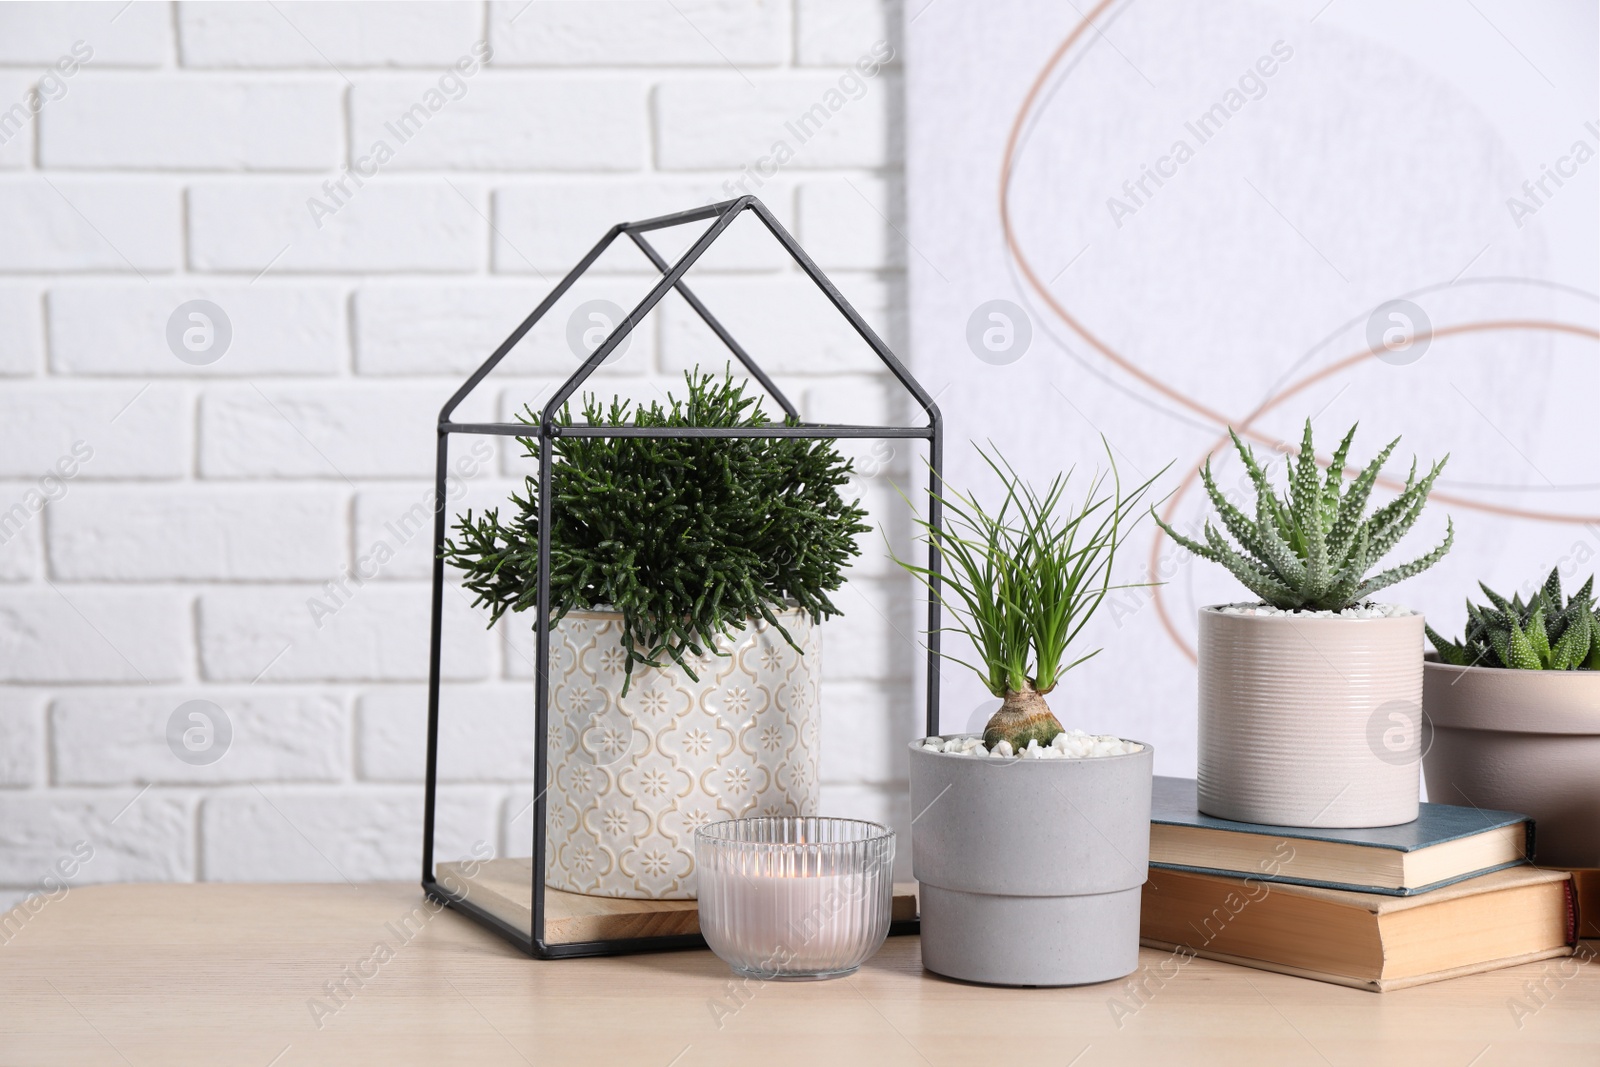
[(131, 430), (588, 125), (14, 89), (21, 337), (692, 33), (67, 222), (141, 122), (173, 532), (187, 532), (399, 225), (40, 34), (72, 635), (104, 737), (118, 329), (256, 36), (701, 125)]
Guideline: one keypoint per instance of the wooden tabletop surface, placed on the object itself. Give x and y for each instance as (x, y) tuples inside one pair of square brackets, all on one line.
[(239, 974)]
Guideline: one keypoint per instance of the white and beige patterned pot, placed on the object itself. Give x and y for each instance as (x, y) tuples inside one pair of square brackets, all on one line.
[(631, 777), (1310, 720)]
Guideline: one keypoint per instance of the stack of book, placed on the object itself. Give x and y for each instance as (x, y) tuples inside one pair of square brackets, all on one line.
[(1449, 894)]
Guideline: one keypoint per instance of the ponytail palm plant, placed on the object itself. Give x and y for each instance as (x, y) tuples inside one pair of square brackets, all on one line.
[(1022, 580)]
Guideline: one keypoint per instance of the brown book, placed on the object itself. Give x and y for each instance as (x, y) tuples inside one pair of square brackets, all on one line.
[(1365, 940)]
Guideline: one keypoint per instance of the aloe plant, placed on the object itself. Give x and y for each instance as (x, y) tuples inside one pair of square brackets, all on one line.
[(1021, 581), (1311, 548), (1543, 634)]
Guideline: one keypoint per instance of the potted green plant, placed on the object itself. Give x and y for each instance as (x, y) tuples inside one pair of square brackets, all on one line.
[(688, 577), (1030, 842), (1515, 709), (1310, 699)]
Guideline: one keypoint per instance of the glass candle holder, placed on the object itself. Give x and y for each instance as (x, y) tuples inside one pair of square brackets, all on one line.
[(794, 896)]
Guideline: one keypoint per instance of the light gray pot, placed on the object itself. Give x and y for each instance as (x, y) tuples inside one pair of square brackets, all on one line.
[(1030, 870), (1310, 720), (1523, 741)]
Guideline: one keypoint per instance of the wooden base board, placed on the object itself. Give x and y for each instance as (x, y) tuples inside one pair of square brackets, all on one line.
[(504, 888)]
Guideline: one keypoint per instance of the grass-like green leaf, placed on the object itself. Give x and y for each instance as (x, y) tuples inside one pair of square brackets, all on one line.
[(1022, 578)]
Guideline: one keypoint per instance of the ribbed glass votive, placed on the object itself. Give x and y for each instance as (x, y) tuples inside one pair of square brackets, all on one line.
[(794, 896)]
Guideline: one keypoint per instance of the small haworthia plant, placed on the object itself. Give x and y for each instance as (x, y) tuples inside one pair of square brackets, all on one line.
[(1311, 548), (687, 537), (1021, 582), (1543, 634)]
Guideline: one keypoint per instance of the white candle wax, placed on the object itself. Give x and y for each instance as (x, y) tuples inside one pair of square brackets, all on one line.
[(795, 923), (794, 896)]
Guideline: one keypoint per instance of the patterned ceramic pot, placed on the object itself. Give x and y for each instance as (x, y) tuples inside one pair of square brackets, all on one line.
[(632, 777)]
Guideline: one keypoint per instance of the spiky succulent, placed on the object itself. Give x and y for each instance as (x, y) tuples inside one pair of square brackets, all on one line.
[(1541, 635), (1311, 548)]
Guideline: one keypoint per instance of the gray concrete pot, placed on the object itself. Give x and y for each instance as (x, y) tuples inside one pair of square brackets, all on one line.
[(1030, 870), (1310, 720), (1523, 741)]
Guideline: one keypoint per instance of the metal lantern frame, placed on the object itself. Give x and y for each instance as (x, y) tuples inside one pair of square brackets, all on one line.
[(722, 215)]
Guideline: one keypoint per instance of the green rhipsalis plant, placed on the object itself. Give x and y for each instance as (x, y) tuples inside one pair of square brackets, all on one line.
[(1541, 635), (687, 538), (1311, 548), (1022, 580)]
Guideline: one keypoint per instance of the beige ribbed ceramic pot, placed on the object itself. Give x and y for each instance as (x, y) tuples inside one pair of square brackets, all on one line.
[(1310, 720), (1523, 741)]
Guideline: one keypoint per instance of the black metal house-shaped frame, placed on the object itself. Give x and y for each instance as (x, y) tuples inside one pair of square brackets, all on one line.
[(724, 214)]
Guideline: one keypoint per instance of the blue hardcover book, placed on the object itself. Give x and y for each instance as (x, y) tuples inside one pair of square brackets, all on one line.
[(1445, 844)]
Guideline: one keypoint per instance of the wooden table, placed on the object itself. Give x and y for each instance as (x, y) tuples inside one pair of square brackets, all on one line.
[(239, 975)]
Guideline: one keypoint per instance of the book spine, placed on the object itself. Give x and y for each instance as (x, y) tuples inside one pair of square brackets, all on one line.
[(1586, 891)]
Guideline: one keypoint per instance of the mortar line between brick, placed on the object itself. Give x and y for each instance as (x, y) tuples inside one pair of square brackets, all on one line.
[(351, 699), (196, 664), (47, 732), (173, 61), (196, 828), (347, 134)]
